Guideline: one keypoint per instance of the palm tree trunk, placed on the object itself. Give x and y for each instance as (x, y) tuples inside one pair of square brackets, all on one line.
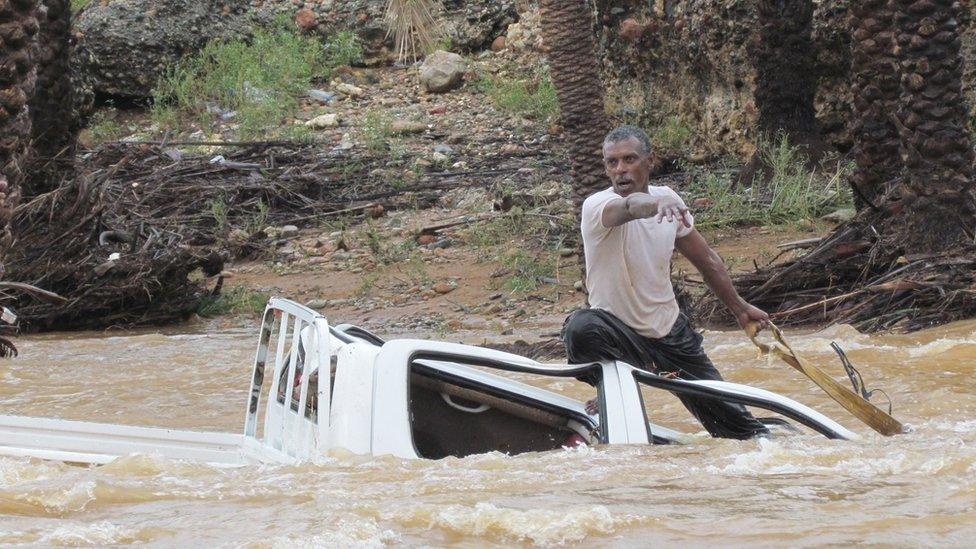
[(18, 27), (567, 31), (52, 105), (786, 80), (875, 72), (939, 209)]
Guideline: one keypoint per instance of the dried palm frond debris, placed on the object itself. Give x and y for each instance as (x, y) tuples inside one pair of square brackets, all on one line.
[(138, 236), (413, 27), (857, 276)]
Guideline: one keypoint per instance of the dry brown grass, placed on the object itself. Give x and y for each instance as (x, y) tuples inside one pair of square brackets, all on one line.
[(413, 27)]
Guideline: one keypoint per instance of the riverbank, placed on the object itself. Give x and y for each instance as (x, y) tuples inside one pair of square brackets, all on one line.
[(397, 208)]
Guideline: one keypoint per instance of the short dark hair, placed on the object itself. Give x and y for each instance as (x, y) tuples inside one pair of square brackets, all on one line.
[(625, 132)]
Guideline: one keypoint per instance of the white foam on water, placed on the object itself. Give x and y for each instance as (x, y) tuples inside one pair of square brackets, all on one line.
[(939, 346), (808, 458), (48, 500), (537, 526), (16, 470), (967, 427), (98, 533), (771, 457), (356, 532)]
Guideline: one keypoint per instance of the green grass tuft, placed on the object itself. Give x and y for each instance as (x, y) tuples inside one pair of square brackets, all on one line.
[(377, 128), (671, 135), (261, 80), (238, 301), (104, 127), (535, 98), (794, 192), (528, 269)]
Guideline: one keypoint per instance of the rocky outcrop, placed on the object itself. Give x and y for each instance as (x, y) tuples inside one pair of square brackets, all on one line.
[(692, 59), (124, 45), (471, 25)]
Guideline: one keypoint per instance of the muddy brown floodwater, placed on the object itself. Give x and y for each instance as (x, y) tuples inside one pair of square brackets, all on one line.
[(915, 489)]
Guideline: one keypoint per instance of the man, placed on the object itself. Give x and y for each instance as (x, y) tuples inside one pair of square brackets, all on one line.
[(629, 234)]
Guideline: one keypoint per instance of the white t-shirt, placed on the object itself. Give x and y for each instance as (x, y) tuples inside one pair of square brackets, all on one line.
[(628, 268)]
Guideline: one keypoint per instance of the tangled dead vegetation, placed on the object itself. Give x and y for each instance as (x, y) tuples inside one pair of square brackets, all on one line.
[(139, 235), (861, 276)]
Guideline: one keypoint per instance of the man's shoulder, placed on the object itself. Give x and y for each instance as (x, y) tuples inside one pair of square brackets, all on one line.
[(600, 196)]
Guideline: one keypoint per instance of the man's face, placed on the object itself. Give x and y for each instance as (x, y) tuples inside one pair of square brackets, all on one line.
[(627, 166)]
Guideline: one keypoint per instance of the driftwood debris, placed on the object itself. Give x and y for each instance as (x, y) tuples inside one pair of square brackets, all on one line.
[(859, 277), (135, 236)]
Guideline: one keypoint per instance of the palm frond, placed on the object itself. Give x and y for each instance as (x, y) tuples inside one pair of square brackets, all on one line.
[(413, 27)]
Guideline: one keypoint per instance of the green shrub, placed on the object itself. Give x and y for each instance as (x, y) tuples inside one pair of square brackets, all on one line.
[(239, 300), (672, 134), (793, 193), (260, 80), (77, 5), (343, 49), (377, 128), (528, 270), (517, 226)]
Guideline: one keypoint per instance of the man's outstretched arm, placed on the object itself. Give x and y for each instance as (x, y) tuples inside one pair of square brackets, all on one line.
[(644, 206), (716, 276)]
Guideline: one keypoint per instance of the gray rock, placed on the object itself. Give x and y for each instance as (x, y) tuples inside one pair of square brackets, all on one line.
[(317, 304), (404, 127), (324, 121), (443, 149), (442, 71), (840, 216), (289, 231), (344, 145), (349, 90), (321, 96)]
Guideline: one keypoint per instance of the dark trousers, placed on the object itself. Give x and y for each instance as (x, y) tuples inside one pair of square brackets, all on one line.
[(592, 335)]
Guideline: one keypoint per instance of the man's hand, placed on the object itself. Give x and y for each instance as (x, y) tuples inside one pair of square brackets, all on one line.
[(673, 208), (752, 314)]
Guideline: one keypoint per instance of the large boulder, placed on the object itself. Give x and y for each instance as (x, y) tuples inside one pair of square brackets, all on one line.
[(442, 71), (126, 44)]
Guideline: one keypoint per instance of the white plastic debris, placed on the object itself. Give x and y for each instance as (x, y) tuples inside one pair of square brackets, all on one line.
[(8, 316)]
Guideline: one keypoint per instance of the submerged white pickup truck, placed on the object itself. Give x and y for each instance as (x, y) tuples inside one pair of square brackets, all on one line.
[(409, 398)]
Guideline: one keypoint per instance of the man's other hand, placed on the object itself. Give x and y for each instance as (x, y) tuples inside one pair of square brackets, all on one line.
[(752, 314), (671, 209)]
